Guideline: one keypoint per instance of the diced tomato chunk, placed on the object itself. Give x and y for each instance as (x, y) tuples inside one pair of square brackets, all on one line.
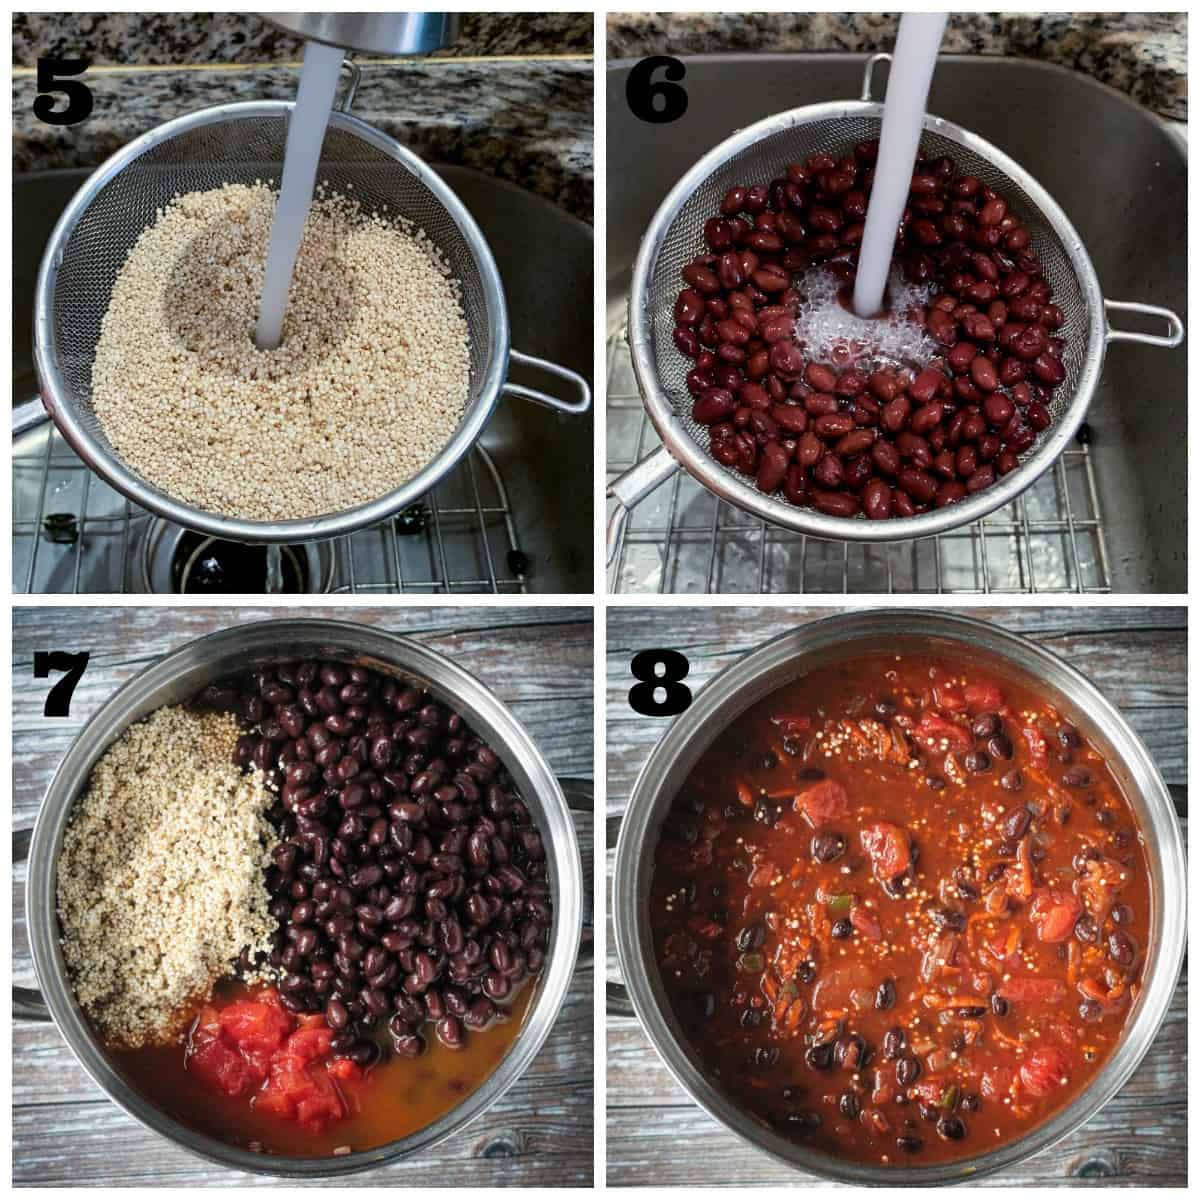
[(866, 922), (931, 731), (256, 1025), (310, 1044), (1054, 914), (255, 1048), (996, 1082), (1044, 1070), (823, 803), (1025, 989), (950, 698), (983, 697), (887, 847), (222, 1068), (1036, 741)]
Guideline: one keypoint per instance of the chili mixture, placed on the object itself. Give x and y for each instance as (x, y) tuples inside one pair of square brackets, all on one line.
[(900, 909)]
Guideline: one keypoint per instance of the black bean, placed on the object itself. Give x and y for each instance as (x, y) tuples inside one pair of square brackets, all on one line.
[(999, 1005), (909, 1144), (894, 1042), (820, 1058), (842, 928), (986, 725), (1000, 746), (951, 1128), (849, 1105), (1016, 824), (828, 847), (1077, 777), (1012, 781), (977, 761), (1121, 948), (908, 1071), (885, 995)]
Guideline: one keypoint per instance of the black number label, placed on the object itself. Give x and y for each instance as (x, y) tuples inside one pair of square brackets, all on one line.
[(642, 696), (58, 701), (657, 101), (79, 96)]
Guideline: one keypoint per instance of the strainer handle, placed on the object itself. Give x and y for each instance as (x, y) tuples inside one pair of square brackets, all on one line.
[(868, 71), (572, 377), (1173, 336), (633, 487)]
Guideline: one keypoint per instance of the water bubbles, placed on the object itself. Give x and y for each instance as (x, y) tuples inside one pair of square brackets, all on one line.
[(829, 332)]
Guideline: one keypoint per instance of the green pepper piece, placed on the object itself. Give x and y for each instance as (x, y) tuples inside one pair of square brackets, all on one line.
[(839, 906)]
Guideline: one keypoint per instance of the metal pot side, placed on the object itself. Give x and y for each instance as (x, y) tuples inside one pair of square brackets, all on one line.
[(179, 676), (756, 676)]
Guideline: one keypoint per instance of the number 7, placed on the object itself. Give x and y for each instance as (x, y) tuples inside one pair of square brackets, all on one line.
[(58, 701)]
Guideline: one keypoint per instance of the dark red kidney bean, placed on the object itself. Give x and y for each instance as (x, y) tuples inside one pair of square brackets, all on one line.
[(973, 425), (1052, 317), (919, 484), (789, 417), (1029, 343), (820, 378), (772, 466), (950, 491), (715, 404), (701, 278), (829, 471), (902, 504), (926, 417), (925, 386), (983, 374), (833, 425), (895, 413), (850, 383), (965, 461), (855, 442), (997, 410), (808, 449), (886, 458), (1038, 415), (835, 504), (1049, 369), (984, 477), (729, 270), (979, 328), (770, 278), (786, 359), (883, 386), (734, 201), (914, 447), (877, 500), (818, 404), (943, 464)]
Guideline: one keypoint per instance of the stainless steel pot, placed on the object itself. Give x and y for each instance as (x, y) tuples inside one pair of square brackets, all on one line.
[(833, 639), (179, 676)]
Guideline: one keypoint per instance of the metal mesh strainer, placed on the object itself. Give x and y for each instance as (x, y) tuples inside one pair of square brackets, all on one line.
[(762, 152), (241, 143)]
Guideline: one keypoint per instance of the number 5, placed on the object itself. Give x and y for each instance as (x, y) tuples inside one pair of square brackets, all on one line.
[(79, 97)]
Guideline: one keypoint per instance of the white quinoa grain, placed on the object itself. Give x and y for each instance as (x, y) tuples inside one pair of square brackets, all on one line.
[(161, 875), (367, 387)]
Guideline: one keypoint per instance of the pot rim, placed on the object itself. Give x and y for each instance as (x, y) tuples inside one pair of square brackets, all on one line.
[(276, 639), (734, 686)]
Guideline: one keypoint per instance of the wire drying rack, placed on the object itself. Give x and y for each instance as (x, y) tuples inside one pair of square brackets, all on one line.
[(682, 539), (73, 533)]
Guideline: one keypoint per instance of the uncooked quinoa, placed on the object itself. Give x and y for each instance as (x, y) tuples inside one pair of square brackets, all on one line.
[(161, 875), (367, 387)]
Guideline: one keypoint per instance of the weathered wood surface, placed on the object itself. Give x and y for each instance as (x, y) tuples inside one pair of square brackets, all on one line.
[(539, 661), (656, 1135)]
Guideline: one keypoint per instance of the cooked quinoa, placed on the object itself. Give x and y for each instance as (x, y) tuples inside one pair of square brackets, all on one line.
[(161, 876), (367, 387)]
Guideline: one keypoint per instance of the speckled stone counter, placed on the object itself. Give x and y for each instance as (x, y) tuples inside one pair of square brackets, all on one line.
[(124, 39), (1142, 54), (527, 121)]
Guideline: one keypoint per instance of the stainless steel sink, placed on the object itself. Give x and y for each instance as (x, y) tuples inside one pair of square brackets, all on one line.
[(1112, 515), (515, 516)]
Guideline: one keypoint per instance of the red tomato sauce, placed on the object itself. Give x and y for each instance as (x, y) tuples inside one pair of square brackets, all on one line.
[(900, 909)]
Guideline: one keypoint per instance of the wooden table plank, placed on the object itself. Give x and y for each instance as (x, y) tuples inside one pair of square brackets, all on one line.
[(656, 1134), (539, 662)]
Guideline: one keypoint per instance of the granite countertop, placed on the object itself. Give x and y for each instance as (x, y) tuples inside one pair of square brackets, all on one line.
[(528, 121), (1142, 54), (174, 39)]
